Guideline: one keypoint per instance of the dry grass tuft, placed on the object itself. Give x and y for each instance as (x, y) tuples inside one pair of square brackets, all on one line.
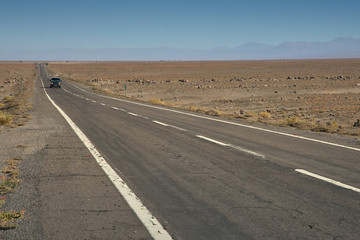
[(5, 118), (213, 112), (197, 109), (265, 115), (7, 218), (8, 182), (10, 179), (250, 115), (294, 121), (160, 102)]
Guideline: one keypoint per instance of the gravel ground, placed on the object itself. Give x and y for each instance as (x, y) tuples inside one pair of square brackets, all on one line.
[(27, 142)]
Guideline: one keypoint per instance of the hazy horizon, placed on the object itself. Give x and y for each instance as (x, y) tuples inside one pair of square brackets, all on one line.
[(34, 29)]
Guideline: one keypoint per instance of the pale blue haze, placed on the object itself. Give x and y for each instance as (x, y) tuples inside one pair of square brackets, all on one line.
[(197, 24)]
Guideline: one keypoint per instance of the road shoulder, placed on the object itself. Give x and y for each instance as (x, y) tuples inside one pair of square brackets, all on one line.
[(64, 193)]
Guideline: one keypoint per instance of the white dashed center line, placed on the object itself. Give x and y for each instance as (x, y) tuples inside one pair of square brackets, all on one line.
[(328, 180), (232, 146), (167, 125), (133, 114)]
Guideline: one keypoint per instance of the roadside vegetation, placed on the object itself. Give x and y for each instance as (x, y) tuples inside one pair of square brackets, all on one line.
[(14, 109), (16, 88), (9, 180)]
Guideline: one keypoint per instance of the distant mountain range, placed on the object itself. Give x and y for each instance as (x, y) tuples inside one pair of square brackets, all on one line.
[(337, 48)]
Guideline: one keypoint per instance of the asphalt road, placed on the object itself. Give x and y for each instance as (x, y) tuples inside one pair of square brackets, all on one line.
[(209, 178)]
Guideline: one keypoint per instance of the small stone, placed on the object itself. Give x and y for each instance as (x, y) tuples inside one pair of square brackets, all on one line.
[(357, 123)]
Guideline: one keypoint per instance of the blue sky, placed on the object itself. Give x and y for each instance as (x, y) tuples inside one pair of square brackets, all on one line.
[(201, 24)]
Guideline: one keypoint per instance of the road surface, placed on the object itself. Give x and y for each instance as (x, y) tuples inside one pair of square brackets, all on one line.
[(207, 178)]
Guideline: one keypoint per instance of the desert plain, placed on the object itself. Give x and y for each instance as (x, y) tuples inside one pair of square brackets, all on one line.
[(314, 95)]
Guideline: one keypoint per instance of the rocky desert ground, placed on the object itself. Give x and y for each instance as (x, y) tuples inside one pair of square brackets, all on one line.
[(316, 95), (16, 87)]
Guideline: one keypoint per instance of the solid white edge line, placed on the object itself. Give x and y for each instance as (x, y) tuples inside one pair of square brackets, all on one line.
[(154, 227), (340, 184), (227, 122)]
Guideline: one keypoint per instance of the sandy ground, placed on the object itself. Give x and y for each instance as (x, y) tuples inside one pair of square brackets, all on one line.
[(317, 95)]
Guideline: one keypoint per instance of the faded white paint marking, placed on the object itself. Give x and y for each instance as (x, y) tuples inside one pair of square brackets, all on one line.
[(154, 227), (133, 114), (103, 104), (115, 108), (178, 128), (247, 151), (340, 184), (167, 125), (232, 146), (161, 123)]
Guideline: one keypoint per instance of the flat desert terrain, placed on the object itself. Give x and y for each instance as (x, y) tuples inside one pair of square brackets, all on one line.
[(16, 88), (316, 95)]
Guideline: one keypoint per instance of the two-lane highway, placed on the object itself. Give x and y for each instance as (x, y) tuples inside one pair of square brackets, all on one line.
[(210, 178)]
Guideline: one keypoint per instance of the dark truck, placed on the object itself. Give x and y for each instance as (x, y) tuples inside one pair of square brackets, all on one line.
[(55, 82)]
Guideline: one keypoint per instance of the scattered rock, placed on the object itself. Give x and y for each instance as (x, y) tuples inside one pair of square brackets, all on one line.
[(183, 80), (97, 80), (357, 123)]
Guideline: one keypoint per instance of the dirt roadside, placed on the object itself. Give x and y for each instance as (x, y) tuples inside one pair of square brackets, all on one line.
[(63, 193)]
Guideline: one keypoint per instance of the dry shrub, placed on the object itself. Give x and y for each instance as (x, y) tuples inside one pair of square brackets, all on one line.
[(5, 118), (294, 121), (197, 109), (265, 115), (12, 168), (7, 219), (250, 115), (214, 112), (159, 102), (330, 127), (8, 98)]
